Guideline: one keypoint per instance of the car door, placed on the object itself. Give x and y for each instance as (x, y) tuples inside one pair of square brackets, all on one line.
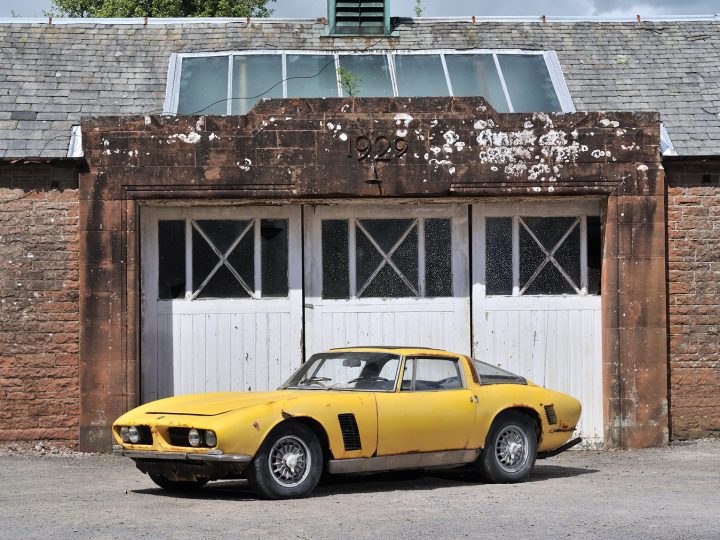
[(431, 411)]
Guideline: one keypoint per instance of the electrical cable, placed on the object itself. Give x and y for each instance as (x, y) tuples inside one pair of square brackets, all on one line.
[(247, 97), (224, 100)]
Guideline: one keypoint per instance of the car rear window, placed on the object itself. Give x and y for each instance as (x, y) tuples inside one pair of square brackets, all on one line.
[(490, 374)]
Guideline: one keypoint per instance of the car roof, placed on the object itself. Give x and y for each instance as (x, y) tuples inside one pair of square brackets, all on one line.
[(403, 350)]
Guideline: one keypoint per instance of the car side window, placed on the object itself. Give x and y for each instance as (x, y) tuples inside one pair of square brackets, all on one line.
[(431, 374), (407, 378)]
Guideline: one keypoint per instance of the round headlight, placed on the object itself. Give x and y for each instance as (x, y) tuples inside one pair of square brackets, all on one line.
[(210, 438), (194, 437), (124, 434), (133, 435)]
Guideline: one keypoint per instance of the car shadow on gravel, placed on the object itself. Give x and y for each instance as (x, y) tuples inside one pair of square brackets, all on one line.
[(332, 485)]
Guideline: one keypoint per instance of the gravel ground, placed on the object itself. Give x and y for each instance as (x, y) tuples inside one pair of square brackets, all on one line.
[(658, 493)]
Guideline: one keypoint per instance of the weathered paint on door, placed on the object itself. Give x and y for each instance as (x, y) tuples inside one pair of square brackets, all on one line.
[(425, 312), (553, 340), (197, 342)]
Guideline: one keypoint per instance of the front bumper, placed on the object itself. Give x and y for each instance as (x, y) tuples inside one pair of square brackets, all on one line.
[(184, 466), (180, 456)]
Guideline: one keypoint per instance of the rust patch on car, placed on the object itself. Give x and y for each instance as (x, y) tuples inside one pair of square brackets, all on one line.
[(286, 415)]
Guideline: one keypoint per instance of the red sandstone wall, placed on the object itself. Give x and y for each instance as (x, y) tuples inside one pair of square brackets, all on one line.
[(39, 315), (694, 310)]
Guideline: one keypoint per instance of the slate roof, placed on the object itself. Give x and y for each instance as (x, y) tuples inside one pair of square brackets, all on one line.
[(51, 75)]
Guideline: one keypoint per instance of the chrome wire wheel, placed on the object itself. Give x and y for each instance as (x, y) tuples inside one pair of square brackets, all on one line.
[(512, 449), (289, 461)]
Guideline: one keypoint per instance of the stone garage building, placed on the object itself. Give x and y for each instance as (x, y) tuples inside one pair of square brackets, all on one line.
[(164, 231)]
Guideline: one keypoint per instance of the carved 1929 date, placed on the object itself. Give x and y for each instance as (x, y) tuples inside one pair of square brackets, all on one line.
[(379, 148)]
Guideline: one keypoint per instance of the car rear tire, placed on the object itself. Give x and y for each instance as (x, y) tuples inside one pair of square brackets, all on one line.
[(510, 450), (177, 485), (289, 463)]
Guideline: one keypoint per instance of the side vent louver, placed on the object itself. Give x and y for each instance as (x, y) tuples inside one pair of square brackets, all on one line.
[(550, 414), (350, 432), (359, 17)]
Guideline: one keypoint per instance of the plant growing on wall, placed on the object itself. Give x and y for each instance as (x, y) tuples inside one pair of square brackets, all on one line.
[(163, 8), (349, 82), (419, 8)]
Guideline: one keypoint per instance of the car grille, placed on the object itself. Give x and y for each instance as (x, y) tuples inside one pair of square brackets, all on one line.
[(178, 436), (350, 432), (550, 414)]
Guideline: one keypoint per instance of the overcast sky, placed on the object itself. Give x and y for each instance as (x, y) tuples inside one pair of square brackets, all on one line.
[(438, 8)]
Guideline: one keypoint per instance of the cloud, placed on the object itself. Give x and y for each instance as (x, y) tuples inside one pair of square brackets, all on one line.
[(657, 7), (442, 8)]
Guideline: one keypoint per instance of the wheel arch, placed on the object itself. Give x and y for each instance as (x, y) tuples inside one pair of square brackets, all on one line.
[(316, 427), (525, 410)]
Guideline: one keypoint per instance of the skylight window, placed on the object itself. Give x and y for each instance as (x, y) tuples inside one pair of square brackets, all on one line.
[(232, 82)]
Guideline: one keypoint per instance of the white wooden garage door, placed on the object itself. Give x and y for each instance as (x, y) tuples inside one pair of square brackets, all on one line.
[(536, 298), (387, 275), (221, 299)]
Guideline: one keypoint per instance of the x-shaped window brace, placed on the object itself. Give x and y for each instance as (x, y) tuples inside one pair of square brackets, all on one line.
[(550, 256), (223, 259), (387, 258)]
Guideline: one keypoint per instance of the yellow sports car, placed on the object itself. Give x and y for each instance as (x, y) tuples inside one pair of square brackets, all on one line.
[(353, 410)]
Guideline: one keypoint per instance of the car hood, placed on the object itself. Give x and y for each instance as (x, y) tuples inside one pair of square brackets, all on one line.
[(216, 403)]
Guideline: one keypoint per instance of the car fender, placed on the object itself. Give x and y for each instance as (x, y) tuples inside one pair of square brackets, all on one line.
[(244, 431)]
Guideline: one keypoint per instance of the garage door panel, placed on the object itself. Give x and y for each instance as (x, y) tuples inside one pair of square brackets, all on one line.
[(371, 271), (194, 338), (547, 329)]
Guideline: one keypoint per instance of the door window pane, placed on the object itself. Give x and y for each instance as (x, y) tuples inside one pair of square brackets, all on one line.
[(594, 254), (204, 259), (386, 234), (203, 85), (560, 238), (476, 75), (242, 259), (438, 257), (528, 83), (550, 281), (420, 75), (531, 256), (388, 254), (549, 230), (223, 285), (217, 273), (274, 258), (318, 74), (222, 232), (374, 71), (254, 75), (436, 374), (498, 256), (171, 268), (335, 263), (568, 256), (387, 284)]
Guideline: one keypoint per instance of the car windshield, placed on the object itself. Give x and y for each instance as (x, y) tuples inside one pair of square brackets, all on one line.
[(490, 374), (366, 371)]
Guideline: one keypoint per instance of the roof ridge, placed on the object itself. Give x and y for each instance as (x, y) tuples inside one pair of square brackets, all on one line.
[(271, 20)]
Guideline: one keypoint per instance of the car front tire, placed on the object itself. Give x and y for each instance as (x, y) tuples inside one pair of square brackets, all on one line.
[(510, 450), (289, 463)]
